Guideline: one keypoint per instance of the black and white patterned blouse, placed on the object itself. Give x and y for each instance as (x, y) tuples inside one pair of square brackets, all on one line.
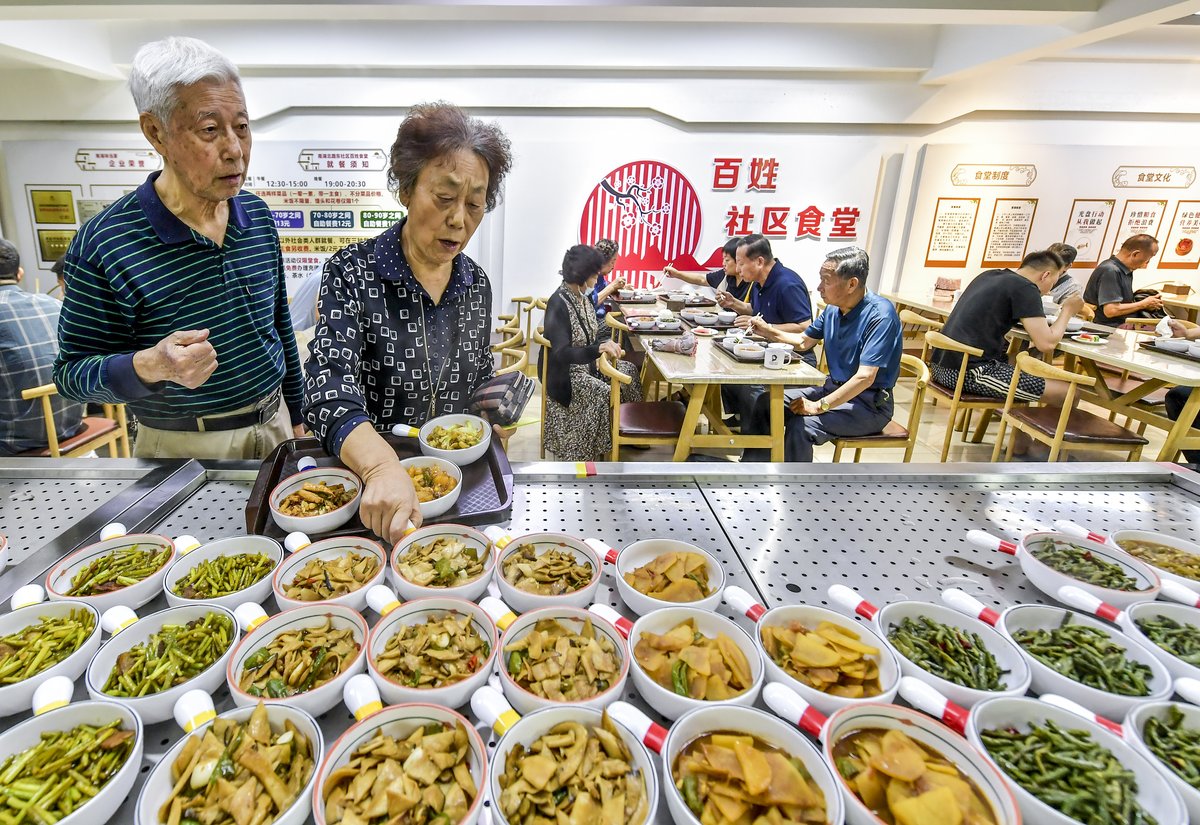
[(376, 358)]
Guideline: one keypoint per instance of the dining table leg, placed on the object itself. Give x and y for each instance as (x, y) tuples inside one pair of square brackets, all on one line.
[(691, 420), (1182, 426), (777, 417)]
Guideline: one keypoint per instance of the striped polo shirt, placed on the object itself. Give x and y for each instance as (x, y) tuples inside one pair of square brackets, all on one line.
[(136, 273)]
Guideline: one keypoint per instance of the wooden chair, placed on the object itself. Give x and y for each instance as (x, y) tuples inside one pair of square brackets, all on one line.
[(639, 422), (1064, 428), (959, 401), (915, 326), (98, 431), (511, 350), (542, 341), (510, 323), (536, 305), (895, 435)]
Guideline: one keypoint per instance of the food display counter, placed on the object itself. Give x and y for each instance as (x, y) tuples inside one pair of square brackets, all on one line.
[(784, 534)]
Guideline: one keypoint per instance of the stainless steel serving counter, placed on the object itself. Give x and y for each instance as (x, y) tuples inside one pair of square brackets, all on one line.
[(783, 533)]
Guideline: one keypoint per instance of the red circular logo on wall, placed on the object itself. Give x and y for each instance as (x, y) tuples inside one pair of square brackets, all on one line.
[(651, 210)]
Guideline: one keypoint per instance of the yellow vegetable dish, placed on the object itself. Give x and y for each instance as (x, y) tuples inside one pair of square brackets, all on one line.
[(688, 663), (672, 577), (459, 437), (831, 659), (431, 481), (905, 783), (735, 779)]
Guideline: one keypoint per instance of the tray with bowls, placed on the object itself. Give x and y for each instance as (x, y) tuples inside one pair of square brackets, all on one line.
[(1169, 346), (677, 301), (708, 318), (635, 296), (656, 326), (746, 350)]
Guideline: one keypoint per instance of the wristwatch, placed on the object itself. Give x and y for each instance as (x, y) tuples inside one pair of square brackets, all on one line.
[(823, 405)]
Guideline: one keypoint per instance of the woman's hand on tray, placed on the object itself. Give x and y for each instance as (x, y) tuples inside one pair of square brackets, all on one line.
[(389, 500)]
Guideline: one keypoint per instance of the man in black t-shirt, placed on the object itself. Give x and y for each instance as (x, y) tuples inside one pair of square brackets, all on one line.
[(1110, 288), (988, 308), (723, 279)]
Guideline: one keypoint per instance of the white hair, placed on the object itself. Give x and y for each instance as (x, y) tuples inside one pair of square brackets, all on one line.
[(161, 68)]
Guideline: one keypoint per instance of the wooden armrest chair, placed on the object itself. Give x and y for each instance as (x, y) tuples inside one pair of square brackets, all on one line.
[(542, 341), (914, 326), (895, 435), (98, 431), (639, 422), (960, 401)]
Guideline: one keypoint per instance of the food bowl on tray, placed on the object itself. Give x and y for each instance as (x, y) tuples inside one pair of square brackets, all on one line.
[(331, 571), (470, 431), (430, 475), (751, 351), (93, 570), (675, 586), (415, 573), (1075, 325), (227, 557), (1172, 344), (545, 570), (15, 697), (317, 489)]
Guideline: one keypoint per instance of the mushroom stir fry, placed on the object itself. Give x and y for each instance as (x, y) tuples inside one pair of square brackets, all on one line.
[(556, 663), (322, 579), (424, 779), (317, 499), (298, 661), (551, 573), (574, 774), (672, 577), (443, 562), (440, 651), (241, 773), (688, 663)]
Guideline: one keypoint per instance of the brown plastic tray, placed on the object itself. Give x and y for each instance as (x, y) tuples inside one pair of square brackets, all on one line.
[(486, 496), (680, 330), (645, 300)]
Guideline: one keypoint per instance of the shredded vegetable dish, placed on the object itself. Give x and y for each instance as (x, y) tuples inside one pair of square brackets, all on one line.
[(297, 661), (459, 437), (322, 579), (554, 662), (434, 653), (444, 562), (552, 572), (317, 499)]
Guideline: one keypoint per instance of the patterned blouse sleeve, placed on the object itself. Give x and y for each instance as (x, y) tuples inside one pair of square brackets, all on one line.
[(485, 365)]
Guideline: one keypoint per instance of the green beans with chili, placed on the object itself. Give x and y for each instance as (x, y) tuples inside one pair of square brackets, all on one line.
[(62, 772), (170, 657), (1084, 565), (1178, 639), (1087, 655), (1070, 772), (954, 654), (40, 646), (220, 576), (118, 569), (1176, 745)]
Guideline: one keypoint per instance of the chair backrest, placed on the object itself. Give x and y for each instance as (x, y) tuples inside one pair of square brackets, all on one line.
[(912, 324), (913, 366), (611, 320), (542, 341), (937, 340), (615, 379), (1029, 365)]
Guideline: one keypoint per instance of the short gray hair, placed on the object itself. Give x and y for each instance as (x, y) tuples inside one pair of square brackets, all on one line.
[(161, 68), (852, 262)]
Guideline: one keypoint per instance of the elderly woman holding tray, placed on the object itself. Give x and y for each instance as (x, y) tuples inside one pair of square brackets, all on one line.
[(403, 334), (578, 423)]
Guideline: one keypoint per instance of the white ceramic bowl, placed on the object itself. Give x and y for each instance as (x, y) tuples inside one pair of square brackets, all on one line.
[(528, 729), (158, 785), (770, 729), (58, 581), (933, 735), (435, 508), (522, 601), (1181, 613), (642, 322), (809, 616), (399, 721), (1049, 580), (470, 591), (1135, 724), (669, 703), (328, 549), (158, 707), (641, 553), (1154, 793), (524, 701), (1008, 655), (749, 351), (312, 525), (1074, 325), (1048, 680), (705, 318), (726, 316), (415, 613), (15, 698), (1172, 344), (102, 806), (233, 546), (461, 457), (1194, 349), (669, 323), (319, 699), (1160, 538)]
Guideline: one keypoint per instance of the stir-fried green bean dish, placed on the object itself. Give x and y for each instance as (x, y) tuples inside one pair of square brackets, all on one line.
[(954, 654), (41, 646), (1178, 639), (220, 576), (1087, 655), (171, 656), (118, 569), (1175, 744), (1084, 565), (1070, 772)]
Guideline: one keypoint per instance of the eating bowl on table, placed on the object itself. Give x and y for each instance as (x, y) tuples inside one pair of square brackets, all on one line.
[(319, 522), (441, 504), (726, 316), (670, 323), (157, 707), (752, 351), (462, 456), (1172, 344), (642, 322), (451, 534), (316, 700), (1172, 558), (395, 691), (326, 550), (255, 591), (705, 319), (59, 579), (644, 552), (1074, 325), (15, 697), (712, 625), (627, 294), (517, 564)]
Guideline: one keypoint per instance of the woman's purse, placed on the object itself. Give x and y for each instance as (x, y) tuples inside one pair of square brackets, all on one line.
[(503, 398)]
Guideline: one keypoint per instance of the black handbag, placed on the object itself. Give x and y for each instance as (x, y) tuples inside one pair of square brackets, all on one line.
[(1141, 295), (503, 399)]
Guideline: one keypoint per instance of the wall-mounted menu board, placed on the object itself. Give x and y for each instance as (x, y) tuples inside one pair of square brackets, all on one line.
[(953, 229), (1086, 228), (1008, 234), (1181, 249)]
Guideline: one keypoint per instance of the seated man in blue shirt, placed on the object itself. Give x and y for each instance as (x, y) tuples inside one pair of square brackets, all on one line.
[(778, 301), (863, 343)]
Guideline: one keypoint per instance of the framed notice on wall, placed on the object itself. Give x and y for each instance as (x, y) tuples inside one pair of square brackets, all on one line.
[(953, 229), (1181, 249), (1008, 233), (1087, 227), (1139, 217)]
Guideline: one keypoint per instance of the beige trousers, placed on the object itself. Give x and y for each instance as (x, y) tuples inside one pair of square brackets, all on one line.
[(247, 442)]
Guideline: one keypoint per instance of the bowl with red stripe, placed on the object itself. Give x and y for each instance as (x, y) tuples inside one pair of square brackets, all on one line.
[(643, 552), (1116, 540)]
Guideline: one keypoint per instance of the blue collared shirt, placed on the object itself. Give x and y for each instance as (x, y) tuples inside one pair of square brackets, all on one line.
[(382, 345), (869, 335), (782, 298)]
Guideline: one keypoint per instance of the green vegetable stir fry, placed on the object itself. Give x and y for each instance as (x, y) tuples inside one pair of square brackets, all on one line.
[(297, 661), (956, 655), (1175, 744), (1084, 565), (41, 646), (170, 657), (1089, 656), (118, 569), (213, 578), (1182, 640)]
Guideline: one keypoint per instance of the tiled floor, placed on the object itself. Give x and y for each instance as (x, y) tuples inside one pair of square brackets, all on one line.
[(525, 444)]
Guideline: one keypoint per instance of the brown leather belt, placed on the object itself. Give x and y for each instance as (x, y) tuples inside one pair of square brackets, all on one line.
[(263, 412)]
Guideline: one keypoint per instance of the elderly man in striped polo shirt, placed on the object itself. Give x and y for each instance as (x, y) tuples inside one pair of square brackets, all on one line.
[(175, 302)]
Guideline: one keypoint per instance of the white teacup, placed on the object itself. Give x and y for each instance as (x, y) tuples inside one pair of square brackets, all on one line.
[(777, 358), (726, 316)]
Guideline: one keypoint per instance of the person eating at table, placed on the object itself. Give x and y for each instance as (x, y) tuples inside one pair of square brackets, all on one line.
[(1178, 396), (987, 310), (404, 318), (725, 279), (1110, 287), (863, 343), (603, 288)]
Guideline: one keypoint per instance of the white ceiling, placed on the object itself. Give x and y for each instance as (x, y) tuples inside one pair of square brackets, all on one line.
[(783, 64)]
